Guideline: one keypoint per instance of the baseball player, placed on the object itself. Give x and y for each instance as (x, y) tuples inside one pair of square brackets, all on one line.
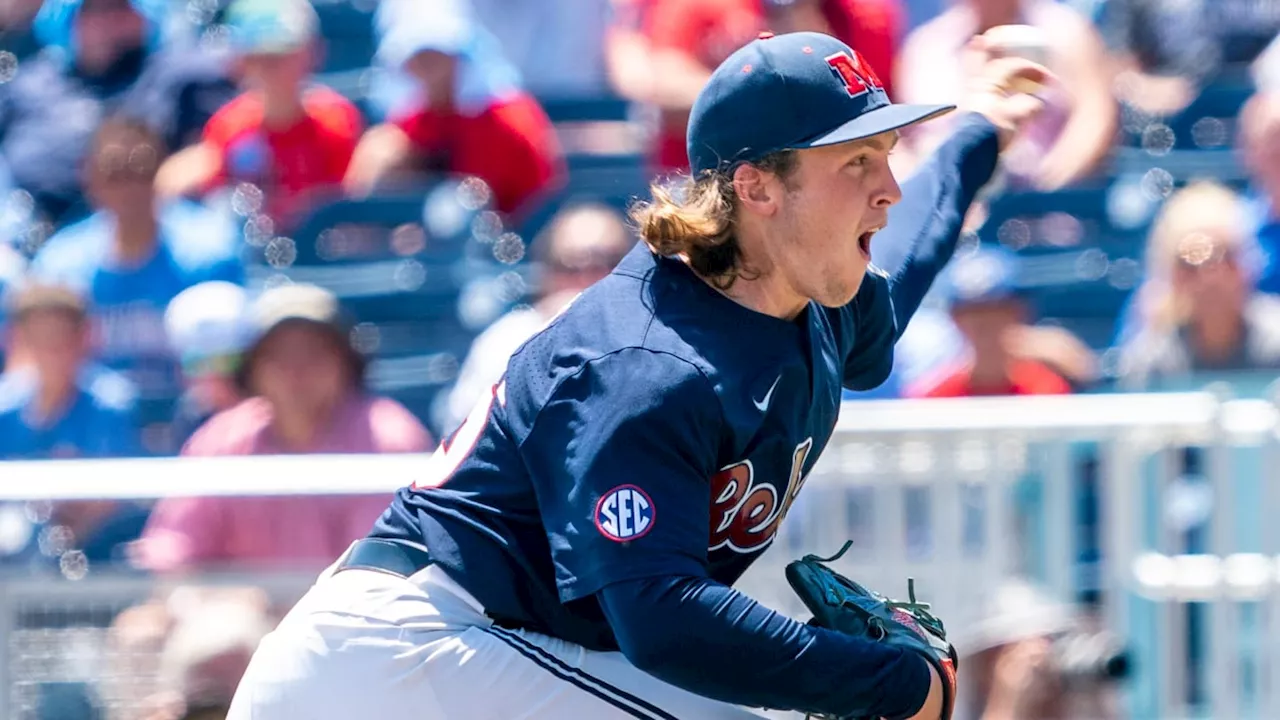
[(570, 551)]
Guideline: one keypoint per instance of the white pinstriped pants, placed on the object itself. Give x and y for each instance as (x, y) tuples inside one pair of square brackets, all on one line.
[(364, 644)]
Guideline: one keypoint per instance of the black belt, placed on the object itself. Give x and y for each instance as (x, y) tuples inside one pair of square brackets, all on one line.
[(402, 559), (396, 557)]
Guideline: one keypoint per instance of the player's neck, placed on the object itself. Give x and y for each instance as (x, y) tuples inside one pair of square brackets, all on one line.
[(759, 286), (766, 295)]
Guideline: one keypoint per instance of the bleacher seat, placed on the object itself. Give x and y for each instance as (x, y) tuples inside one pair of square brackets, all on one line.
[(347, 28), (421, 272), (1078, 264)]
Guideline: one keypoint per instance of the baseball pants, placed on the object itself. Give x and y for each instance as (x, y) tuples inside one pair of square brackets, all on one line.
[(366, 644)]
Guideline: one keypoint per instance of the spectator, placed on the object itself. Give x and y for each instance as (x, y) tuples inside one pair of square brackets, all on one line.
[(12, 267), (208, 329), (133, 255), (468, 119), (558, 46), (1014, 657), (581, 245), (17, 35), (1074, 133), (56, 404), (692, 37), (1199, 312), (1168, 50), (988, 308), (1265, 70), (181, 655), (107, 61), (627, 50), (1259, 144), (308, 395), (283, 135)]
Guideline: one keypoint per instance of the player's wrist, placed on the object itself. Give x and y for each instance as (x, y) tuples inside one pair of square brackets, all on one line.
[(933, 704)]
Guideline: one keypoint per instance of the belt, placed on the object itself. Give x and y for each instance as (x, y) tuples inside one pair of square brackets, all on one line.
[(402, 559), (395, 557)]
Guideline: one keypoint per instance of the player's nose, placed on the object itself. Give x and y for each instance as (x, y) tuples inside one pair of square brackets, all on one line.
[(888, 193)]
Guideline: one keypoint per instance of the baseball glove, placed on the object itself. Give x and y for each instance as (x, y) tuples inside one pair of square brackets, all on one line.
[(840, 604)]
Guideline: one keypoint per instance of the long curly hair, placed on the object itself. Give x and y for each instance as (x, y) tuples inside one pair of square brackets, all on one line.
[(696, 218)]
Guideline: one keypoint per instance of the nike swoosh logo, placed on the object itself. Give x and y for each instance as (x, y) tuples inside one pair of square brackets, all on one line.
[(763, 405)]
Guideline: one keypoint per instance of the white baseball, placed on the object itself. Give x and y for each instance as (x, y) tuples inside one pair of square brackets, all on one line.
[(1023, 41)]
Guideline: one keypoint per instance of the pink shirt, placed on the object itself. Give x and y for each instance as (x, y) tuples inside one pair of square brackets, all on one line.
[(296, 530)]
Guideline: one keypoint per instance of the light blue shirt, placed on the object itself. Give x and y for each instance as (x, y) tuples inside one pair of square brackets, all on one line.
[(127, 304), (99, 422)]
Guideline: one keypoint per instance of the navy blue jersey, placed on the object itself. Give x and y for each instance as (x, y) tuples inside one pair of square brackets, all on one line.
[(658, 428)]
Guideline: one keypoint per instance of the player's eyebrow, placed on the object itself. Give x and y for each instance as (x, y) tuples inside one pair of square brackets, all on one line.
[(880, 143), (884, 142)]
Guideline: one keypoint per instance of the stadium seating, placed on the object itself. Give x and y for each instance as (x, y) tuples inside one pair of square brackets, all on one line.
[(421, 272)]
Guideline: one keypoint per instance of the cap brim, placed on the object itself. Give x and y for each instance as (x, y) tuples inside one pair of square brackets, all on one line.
[(880, 120)]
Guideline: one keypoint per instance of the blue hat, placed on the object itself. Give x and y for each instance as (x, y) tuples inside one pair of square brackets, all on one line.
[(988, 275), (792, 91)]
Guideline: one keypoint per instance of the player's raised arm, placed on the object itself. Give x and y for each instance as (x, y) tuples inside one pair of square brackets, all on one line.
[(925, 225), (620, 458)]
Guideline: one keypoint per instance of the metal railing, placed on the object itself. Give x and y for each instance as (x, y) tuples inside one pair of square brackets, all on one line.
[(962, 495)]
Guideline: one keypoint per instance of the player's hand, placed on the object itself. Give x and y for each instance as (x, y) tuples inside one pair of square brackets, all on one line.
[(1002, 87)]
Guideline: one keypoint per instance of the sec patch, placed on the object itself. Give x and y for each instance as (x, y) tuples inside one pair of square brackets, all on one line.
[(625, 513)]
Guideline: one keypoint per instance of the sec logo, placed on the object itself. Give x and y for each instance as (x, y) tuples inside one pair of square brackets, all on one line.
[(624, 514)]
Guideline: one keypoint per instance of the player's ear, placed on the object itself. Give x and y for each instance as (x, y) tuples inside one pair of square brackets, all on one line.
[(755, 189)]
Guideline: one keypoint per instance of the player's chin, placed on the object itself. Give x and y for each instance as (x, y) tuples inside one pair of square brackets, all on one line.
[(842, 292)]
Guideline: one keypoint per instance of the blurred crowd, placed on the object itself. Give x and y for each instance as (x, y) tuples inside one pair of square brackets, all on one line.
[(148, 146)]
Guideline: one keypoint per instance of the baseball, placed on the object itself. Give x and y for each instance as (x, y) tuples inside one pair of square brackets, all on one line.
[(1023, 41)]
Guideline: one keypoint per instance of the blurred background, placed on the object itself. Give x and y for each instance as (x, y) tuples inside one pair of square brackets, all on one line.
[(299, 238)]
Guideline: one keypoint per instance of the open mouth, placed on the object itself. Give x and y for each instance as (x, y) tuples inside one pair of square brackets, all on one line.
[(864, 242)]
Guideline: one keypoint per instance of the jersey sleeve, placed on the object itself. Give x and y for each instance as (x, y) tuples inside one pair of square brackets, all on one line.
[(868, 323), (620, 456)]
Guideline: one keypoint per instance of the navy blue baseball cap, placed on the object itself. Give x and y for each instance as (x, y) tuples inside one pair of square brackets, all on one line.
[(788, 92)]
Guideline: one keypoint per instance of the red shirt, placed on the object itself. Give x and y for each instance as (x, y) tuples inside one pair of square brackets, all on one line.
[(286, 163), (711, 30), (512, 146), (1026, 377)]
